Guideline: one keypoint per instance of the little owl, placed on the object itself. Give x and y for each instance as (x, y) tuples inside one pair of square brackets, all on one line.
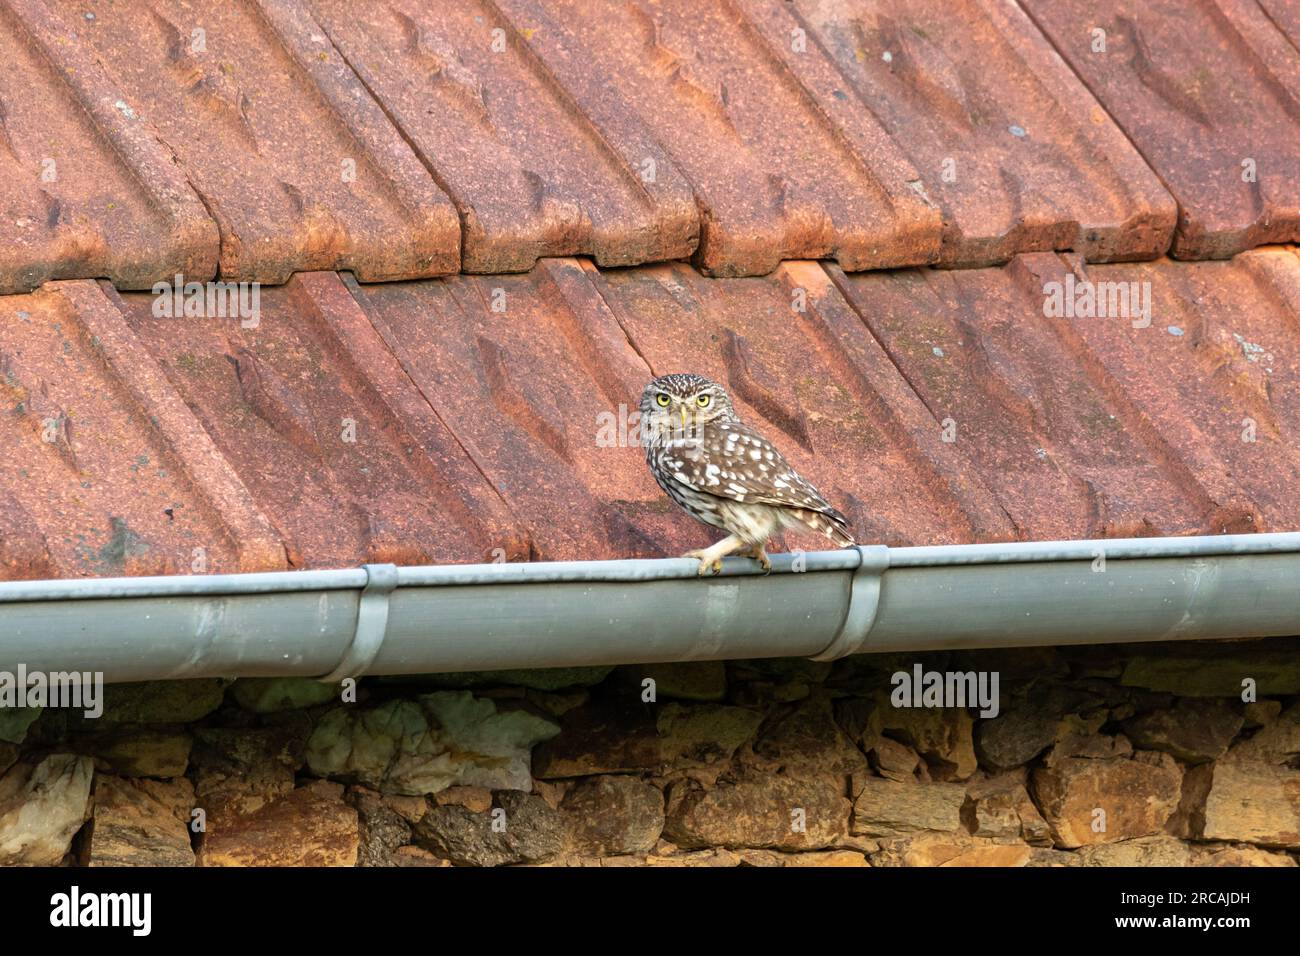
[(725, 473)]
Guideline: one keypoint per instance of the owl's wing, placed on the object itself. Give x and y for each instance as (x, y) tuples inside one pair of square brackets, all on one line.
[(732, 460)]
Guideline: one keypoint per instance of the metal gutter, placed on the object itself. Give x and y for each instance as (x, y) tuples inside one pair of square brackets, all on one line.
[(381, 619)]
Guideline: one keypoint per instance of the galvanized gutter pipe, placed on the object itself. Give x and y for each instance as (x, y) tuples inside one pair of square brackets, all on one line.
[(382, 619)]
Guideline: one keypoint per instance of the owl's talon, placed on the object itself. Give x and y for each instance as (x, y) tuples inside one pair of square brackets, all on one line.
[(705, 563), (759, 554)]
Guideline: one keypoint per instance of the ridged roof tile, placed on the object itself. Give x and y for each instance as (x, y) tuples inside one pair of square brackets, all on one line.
[(531, 173), (1007, 141), (1209, 92), (297, 164), (488, 417), (85, 190), (955, 166)]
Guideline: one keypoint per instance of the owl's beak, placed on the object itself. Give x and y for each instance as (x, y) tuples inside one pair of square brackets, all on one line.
[(683, 416)]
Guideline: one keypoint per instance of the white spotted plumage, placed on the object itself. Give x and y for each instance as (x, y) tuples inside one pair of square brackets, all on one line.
[(724, 473)]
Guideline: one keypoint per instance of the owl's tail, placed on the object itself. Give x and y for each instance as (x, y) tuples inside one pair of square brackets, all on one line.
[(830, 523)]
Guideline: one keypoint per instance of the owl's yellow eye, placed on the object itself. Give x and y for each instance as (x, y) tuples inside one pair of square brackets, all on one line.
[(703, 400), (662, 399)]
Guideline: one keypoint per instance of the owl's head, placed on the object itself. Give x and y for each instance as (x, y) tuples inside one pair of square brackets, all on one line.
[(681, 403)]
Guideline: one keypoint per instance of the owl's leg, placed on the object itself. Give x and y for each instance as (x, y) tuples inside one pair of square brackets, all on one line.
[(759, 553), (712, 556)]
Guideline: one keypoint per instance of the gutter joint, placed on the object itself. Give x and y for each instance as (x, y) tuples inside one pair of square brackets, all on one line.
[(864, 601), (372, 624)]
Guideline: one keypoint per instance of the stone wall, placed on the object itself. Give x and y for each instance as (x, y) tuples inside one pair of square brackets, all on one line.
[(1177, 754)]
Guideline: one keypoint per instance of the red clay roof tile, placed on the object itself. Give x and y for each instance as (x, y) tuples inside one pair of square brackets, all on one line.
[(300, 168), (777, 172), (1285, 16), (1210, 94), (24, 553), (486, 418), (85, 190), (1007, 140), (520, 368), (107, 471), (1067, 453), (137, 440), (531, 174), (1215, 390), (490, 417), (316, 419), (742, 133)]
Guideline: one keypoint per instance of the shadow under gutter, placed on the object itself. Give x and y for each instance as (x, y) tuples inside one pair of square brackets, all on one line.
[(382, 619)]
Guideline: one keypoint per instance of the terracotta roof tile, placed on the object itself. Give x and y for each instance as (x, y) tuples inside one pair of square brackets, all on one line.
[(139, 439), (520, 368), (741, 134), (531, 174), (107, 472), (1008, 142), (24, 553), (476, 416), (317, 421), (1214, 391), (486, 416), (84, 188), (778, 171), (1285, 16), (1210, 94), (300, 168), (1070, 443)]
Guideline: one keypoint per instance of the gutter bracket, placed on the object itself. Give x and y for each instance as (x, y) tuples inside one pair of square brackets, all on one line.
[(372, 624), (864, 601)]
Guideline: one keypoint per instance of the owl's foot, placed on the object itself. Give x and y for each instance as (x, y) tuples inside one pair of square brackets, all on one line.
[(711, 557), (759, 554), (707, 561)]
